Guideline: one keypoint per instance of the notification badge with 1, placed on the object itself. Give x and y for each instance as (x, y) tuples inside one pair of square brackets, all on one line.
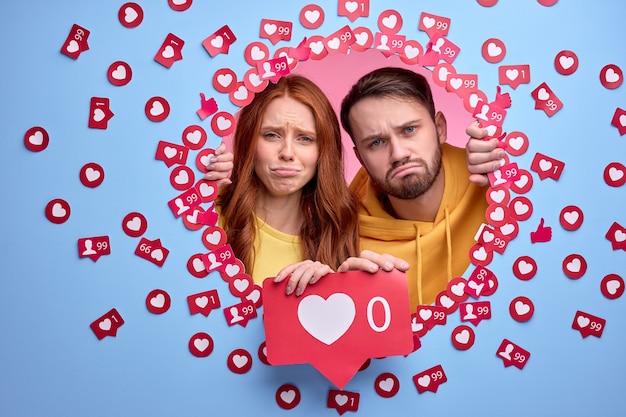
[(338, 323)]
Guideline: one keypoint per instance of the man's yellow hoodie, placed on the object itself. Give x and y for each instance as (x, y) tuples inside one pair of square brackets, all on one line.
[(436, 251)]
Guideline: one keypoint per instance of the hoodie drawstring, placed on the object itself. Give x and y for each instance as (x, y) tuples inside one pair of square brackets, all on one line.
[(448, 242)]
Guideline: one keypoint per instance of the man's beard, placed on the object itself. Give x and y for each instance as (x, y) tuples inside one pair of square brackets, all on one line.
[(412, 185)]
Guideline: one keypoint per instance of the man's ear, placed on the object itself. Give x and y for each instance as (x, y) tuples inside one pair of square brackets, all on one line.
[(442, 126), (358, 155)]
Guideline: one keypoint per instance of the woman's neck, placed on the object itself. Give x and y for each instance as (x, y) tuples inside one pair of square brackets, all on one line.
[(281, 213)]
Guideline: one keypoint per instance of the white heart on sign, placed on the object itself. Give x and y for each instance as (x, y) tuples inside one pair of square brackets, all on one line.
[(182, 178), (425, 314), (424, 381), (522, 308), (201, 344), (92, 174), (241, 93), (58, 210), (98, 115), (288, 396), (525, 267), (202, 301), (545, 165), (72, 46), (497, 215), (318, 47), (516, 143), (224, 79), (214, 238), (119, 73), (351, 6), (269, 28), (458, 289), (217, 42), (574, 265), (312, 15), (611, 76), (256, 53), (456, 83), (241, 284), (612, 286), (582, 321), (157, 108), (507, 229), (446, 301), (334, 43), (158, 300), (168, 52), (622, 120), (206, 189), (240, 360), (620, 236), (326, 319), (169, 151), (462, 337), (566, 61), (493, 49), (157, 254), (134, 224), (411, 52), (198, 265), (223, 123), (480, 254), (390, 21), (521, 208), (497, 196), (232, 270), (36, 138), (105, 324), (428, 22), (130, 15), (254, 79), (543, 94), (341, 399), (254, 296), (571, 217), (512, 74), (386, 384), (615, 174)]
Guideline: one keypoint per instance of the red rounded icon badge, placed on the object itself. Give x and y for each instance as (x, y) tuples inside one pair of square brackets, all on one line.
[(363, 39), (256, 52), (194, 137), (524, 183), (516, 143), (574, 266), (240, 95), (213, 237), (571, 218), (196, 267), (157, 109), (253, 82), (615, 174), (493, 50), (224, 80), (201, 345), (390, 21), (521, 309), (182, 177), (521, 208), (119, 73), (58, 211), (311, 16), (239, 361), (611, 76), (456, 289), (566, 62), (287, 396), (91, 175), (262, 353), (158, 301), (387, 385), (130, 15), (487, 3), (134, 224), (223, 124), (179, 5), (463, 337), (524, 268), (36, 139), (479, 255), (612, 286)]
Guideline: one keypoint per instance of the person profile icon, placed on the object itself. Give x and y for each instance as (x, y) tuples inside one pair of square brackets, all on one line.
[(234, 311), (89, 248), (214, 262), (506, 353), (181, 206), (268, 70), (498, 176), (383, 43), (469, 312)]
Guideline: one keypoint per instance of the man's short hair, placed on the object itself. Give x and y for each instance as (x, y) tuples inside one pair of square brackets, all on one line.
[(387, 82)]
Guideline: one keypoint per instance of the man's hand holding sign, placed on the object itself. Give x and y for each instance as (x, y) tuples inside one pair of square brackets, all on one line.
[(339, 323)]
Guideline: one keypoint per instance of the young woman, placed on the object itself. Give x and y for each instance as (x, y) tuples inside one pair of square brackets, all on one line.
[(288, 200)]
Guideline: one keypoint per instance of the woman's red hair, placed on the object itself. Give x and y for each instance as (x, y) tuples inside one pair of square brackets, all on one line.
[(329, 232)]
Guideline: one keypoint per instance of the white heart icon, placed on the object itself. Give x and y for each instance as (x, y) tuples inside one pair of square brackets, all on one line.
[(327, 319), (36, 138)]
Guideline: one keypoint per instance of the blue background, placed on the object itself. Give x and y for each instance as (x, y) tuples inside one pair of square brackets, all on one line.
[(51, 364)]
